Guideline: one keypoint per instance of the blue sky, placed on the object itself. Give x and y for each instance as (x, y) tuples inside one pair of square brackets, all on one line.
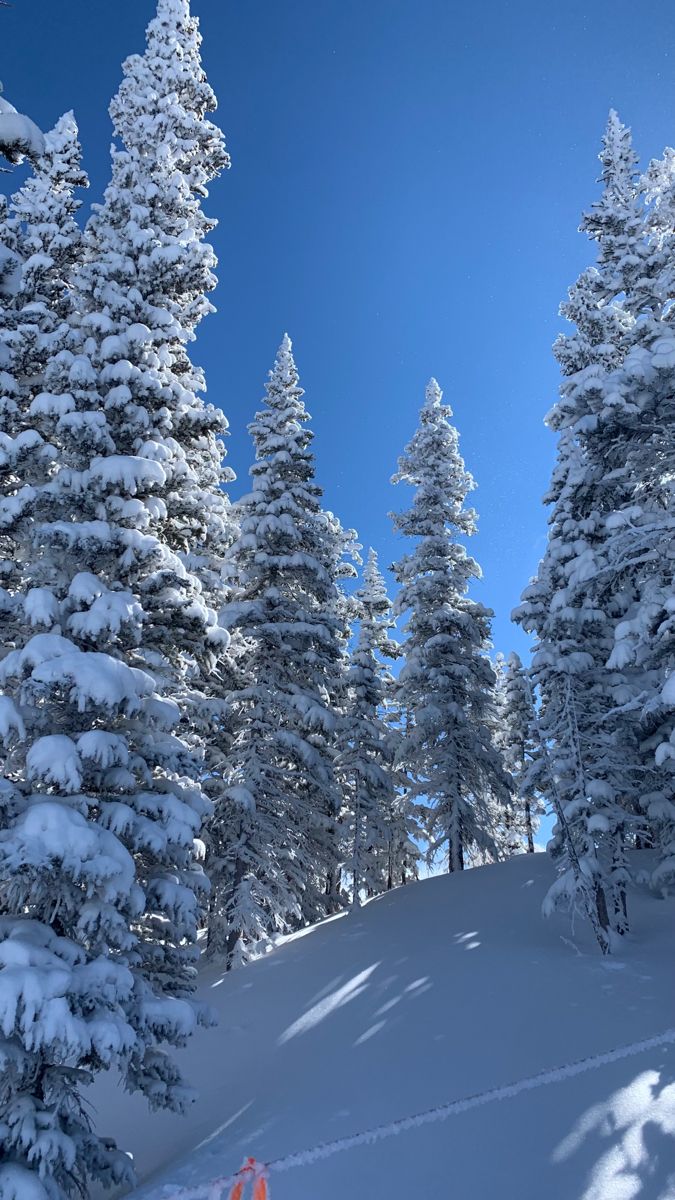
[(407, 181)]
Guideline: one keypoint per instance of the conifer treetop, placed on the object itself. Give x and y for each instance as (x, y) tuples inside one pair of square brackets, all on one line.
[(165, 83), (280, 434), (43, 215), (374, 591), (616, 220), (618, 158), (284, 374), (432, 463)]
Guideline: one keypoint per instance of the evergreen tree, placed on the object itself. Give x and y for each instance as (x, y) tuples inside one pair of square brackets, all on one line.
[(168, 152), (41, 229), (42, 212), (366, 762), (150, 234), (507, 821), (572, 606), (101, 797), (634, 436), (67, 895), (522, 755), (445, 687), (274, 837)]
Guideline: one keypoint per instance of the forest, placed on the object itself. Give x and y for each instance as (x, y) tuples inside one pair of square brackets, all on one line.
[(218, 728)]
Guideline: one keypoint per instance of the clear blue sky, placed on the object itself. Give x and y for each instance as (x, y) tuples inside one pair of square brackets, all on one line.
[(406, 185)]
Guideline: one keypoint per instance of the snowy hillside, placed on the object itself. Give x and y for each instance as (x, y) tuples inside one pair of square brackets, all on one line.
[(432, 993)]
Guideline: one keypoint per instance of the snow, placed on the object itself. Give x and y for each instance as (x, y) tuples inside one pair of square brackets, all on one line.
[(50, 832), (110, 612), (10, 272), (20, 1184), (127, 472), (85, 587), (45, 404), (96, 679), (41, 607), (54, 760), (11, 721), (668, 690), (19, 135), (451, 994), (105, 749), (42, 648)]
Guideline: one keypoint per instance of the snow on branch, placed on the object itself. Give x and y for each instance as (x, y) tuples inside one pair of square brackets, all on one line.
[(19, 136)]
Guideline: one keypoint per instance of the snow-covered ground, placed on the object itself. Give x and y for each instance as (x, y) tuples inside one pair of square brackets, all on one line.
[(432, 993)]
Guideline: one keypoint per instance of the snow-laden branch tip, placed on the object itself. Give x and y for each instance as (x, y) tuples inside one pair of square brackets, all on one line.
[(19, 136)]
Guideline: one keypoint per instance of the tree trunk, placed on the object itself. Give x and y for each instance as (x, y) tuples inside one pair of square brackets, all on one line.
[(233, 934), (455, 845), (619, 890), (528, 826), (601, 906), (357, 848), (230, 947)]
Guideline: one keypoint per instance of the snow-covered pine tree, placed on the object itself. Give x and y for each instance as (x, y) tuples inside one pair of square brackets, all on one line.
[(519, 746), (375, 830), (403, 851), (68, 897), (571, 605), (616, 222), (96, 772), (43, 212), (41, 230), (273, 836), (634, 436), (343, 551), (445, 688), (169, 151), (101, 797), (507, 821), (67, 891), (161, 115)]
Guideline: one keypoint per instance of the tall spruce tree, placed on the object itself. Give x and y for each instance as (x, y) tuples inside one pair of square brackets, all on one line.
[(445, 688), (375, 831), (519, 745), (508, 821), (40, 227), (274, 837), (168, 151), (634, 439), (571, 606), (101, 796)]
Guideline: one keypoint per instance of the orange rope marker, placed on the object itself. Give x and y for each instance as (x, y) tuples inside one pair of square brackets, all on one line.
[(255, 1173)]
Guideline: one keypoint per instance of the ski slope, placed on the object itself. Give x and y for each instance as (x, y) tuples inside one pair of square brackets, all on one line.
[(442, 1041)]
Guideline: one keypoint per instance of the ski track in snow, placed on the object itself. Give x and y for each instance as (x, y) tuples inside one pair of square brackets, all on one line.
[(215, 1188)]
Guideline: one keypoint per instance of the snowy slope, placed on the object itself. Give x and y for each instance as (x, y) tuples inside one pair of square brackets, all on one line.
[(432, 993)]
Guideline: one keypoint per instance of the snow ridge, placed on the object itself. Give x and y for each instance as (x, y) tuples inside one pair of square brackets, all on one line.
[(215, 1188)]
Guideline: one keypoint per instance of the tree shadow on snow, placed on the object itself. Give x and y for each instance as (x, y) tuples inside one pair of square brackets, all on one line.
[(626, 1143)]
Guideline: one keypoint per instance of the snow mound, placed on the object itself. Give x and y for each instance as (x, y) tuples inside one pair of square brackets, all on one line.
[(424, 1000)]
